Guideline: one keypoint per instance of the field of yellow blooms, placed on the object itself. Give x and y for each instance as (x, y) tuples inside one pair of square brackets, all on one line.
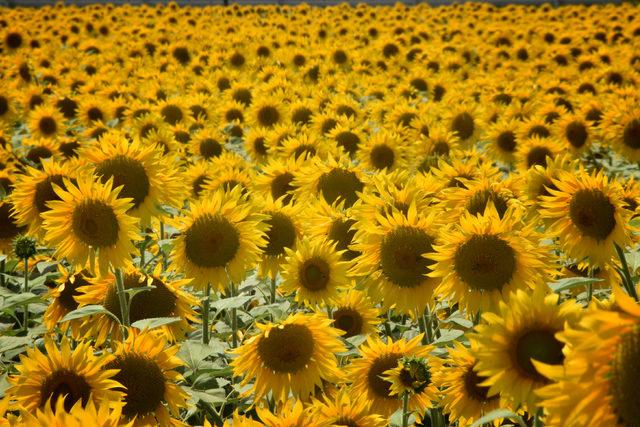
[(295, 216)]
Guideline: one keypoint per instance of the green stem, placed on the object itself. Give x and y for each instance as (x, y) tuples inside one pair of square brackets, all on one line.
[(537, 421), (205, 314), (234, 321), (405, 409), (25, 323), (387, 326), (122, 298), (273, 291), (426, 319), (2, 264), (628, 281)]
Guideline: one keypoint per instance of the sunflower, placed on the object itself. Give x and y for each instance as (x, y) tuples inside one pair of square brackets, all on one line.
[(575, 131), (522, 331), (334, 223), (474, 199), (597, 382), (587, 213), (90, 221), (334, 179), (39, 149), (144, 174), (267, 112), (459, 171), (395, 259), (348, 135), (147, 372), (464, 399), (172, 111), (102, 414), (464, 120), (196, 177), (166, 298), (384, 150), (414, 376), (45, 121), (75, 375), (314, 272), (304, 146), (291, 414), (284, 232), (278, 178), (34, 190), (256, 145), (221, 238), (9, 228), (91, 109), (345, 410), (207, 144), (294, 355), (353, 313), (484, 258), (367, 372), (622, 127), (537, 151), (501, 140), (63, 298)]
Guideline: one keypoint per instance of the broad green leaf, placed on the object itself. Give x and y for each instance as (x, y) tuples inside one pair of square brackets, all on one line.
[(572, 282), (155, 322), (19, 299), (212, 396), (448, 336), (88, 310), (232, 302), (498, 414), (9, 343)]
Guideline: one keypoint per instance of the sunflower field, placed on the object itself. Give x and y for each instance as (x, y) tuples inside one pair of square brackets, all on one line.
[(293, 216)]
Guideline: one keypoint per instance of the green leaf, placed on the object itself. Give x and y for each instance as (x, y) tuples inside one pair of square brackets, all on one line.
[(19, 299), (448, 336), (154, 322), (572, 282), (212, 396), (42, 266), (232, 302), (498, 414), (9, 343), (194, 354), (88, 310), (465, 323)]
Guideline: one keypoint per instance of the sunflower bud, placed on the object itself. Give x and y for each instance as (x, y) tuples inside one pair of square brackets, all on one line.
[(24, 247)]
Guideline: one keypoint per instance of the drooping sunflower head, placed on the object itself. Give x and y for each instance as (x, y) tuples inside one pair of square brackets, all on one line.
[(63, 374), (294, 355), (147, 374), (314, 272), (90, 221), (220, 235)]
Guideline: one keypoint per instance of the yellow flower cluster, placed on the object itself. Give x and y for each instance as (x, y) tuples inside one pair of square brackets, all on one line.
[(305, 216)]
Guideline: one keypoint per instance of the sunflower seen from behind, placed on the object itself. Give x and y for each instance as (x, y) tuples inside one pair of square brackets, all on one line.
[(294, 355), (90, 221), (221, 238)]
